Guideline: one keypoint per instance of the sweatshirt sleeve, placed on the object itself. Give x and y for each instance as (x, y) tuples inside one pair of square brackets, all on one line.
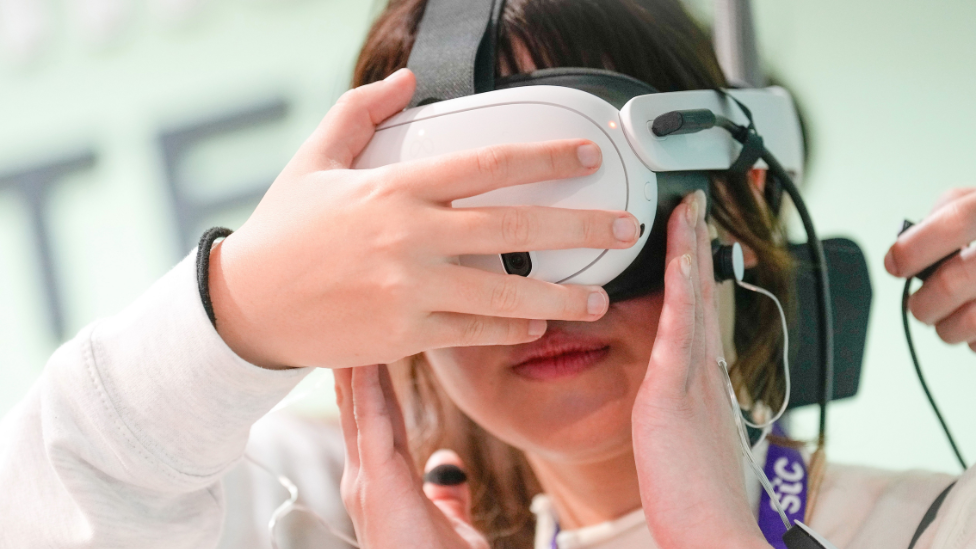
[(124, 439)]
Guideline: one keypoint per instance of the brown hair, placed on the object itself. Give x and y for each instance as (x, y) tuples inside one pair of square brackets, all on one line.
[(651, 40)]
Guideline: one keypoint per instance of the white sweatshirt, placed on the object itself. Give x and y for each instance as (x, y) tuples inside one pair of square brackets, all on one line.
[(135, 435)]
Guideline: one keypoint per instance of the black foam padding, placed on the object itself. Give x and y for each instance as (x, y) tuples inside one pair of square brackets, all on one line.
[(850, 294), (646, 273), (614, 88)]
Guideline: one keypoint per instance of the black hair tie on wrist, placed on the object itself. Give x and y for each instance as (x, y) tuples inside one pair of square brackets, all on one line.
[(446, 474), (203, 268)]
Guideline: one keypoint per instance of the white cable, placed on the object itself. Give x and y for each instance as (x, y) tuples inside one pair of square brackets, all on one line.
[(291, 504), (786, 358), (744, 443)]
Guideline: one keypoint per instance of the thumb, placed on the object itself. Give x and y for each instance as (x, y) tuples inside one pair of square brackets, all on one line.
[(351, 122), (446, 485)]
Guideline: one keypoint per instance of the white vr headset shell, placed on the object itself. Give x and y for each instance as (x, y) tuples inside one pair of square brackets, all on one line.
[(632, 155)]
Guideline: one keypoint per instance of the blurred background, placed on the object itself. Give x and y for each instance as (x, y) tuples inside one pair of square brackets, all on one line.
[(128, 127)]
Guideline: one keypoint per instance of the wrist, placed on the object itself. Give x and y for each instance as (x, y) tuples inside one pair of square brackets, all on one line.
[(230, 318)]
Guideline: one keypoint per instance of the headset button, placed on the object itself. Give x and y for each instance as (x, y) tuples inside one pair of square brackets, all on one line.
[(649, 191)]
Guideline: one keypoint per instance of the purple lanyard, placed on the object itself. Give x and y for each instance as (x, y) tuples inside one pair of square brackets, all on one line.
[(788, 474)]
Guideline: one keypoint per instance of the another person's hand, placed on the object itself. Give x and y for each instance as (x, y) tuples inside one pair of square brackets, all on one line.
[(390, 506), (947, 299), (689, 461), (339, 267)]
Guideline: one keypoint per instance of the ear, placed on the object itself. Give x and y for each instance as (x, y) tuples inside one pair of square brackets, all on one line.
[(750, 260), (757, 178)]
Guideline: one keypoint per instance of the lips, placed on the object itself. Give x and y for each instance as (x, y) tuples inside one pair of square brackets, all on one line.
[(558, 355)]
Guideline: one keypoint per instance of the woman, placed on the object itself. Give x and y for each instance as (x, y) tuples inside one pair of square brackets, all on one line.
[(134, 434), (565, 401)]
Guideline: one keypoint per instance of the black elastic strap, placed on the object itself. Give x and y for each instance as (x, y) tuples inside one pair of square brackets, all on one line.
[(752, 142), (752, 151), (930, 515), (449, 57), (203, 268)]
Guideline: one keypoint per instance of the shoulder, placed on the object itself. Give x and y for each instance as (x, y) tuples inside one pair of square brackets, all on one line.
[(866, 507)]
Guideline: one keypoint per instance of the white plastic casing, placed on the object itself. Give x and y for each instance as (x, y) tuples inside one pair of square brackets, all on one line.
[(631, 154), (772, 111), (524, 115)]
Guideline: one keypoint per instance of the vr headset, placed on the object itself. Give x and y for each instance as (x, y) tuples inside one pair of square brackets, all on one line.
[(642, 173), (657, 148)]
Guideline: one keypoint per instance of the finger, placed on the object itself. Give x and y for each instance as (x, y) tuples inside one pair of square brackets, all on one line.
[(953, 284), (400, 440), (499, 230), (476, 292), (376, 437), (347, 417), (960, 326), (699, 346), (351, 122), (675, 339), (460, 330), (951, 196), (949, 228), (674, 342), (972, 346), (706, 278), (467, 173), (446, 485)]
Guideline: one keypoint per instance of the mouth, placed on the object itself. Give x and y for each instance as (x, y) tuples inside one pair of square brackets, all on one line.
[(558, 355)]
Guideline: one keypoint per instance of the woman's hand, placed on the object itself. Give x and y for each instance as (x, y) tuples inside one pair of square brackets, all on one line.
[(339, 267), (947, 299), (689, 462), (389, 504)]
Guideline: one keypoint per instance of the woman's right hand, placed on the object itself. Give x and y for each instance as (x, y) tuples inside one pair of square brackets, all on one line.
[(390, 505), (339, 267)]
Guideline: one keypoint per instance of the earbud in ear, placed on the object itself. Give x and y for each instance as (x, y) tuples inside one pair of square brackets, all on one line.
[(728, 261)]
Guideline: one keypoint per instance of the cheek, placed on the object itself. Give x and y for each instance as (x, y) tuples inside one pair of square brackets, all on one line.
[(470, 376)]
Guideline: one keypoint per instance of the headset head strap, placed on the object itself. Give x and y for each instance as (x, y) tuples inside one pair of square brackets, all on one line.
[(454, 52)]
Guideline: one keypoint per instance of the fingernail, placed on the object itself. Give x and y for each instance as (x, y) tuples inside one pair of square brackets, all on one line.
[(625, 229), (686, 265), (537, 327), (596, 303), (702, 203), (692, 213), (589, 155), (446, 474), (396, 75)]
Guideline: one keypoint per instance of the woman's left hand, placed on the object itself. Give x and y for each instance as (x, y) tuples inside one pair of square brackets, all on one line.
[(390, 506), (689, 461)]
